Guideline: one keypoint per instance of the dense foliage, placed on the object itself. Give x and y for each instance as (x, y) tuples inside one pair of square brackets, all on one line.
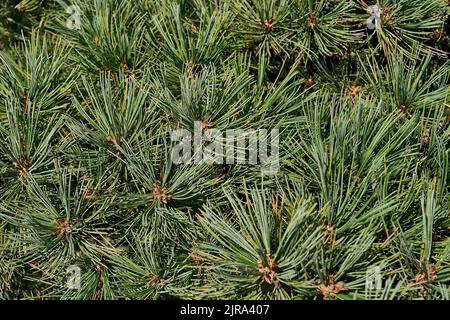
[(357, 89)]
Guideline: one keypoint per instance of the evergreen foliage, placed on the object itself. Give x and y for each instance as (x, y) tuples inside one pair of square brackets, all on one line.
[(86, 176)]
